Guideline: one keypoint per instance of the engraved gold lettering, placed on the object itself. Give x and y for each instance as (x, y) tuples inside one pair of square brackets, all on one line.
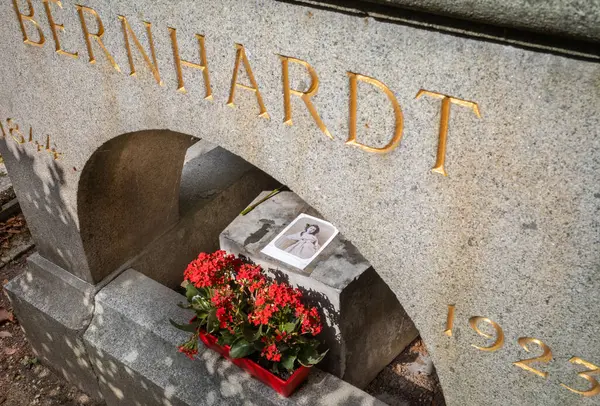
[(97, 36), (203, 66), (305, 96), (395, 141), (29, 17), (241, 56), (545, 357), (55, 28), (153, 65), (52, 151), (474, 321), (587, 375), (14, 128), (450, 320), (444, 119)]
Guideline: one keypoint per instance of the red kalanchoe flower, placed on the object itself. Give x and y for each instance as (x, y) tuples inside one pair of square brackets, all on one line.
[(311, 322), (209, 270), (190, 348), (271, 352), (249, 273), (223, 301)]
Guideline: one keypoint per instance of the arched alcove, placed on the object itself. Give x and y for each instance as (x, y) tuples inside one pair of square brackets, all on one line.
[(128, 193), (139, 197)]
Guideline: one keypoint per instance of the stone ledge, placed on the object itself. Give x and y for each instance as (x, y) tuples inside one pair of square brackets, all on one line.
[(574, 19), (54, 308), (133, 350)]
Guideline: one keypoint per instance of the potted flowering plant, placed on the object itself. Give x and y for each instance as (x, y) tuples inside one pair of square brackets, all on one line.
[(260, 325)]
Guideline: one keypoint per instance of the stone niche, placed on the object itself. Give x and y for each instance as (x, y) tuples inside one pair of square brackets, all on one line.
[(365, 326), (215, 186)]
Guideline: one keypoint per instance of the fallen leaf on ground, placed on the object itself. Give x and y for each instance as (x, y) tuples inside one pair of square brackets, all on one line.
[(10, 351), (4, 315), (4, 334), (4, 282)]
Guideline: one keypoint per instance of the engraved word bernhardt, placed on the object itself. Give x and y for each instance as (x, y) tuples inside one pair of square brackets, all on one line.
[(34, 35)]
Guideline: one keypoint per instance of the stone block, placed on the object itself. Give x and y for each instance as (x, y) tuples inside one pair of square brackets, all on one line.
[(54, 308), (133, 348), (365, 326), (215, 186), (510, 234)]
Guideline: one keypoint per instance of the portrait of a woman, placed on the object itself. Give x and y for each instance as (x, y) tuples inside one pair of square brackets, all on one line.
[(306, 243)]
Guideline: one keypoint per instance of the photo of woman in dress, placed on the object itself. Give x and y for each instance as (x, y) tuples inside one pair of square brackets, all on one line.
[(301, 241), (306, 244)]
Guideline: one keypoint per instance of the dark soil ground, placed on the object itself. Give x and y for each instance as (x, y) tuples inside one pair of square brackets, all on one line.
[(409, 380), (23, 380)]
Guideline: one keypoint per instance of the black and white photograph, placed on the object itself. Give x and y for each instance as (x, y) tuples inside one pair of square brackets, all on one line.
[(301, 241)]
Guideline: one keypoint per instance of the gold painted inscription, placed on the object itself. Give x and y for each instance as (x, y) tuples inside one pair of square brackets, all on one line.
[(525, 343), (29, 18), (27, 23), (444, 119), (450, 320), (55, 28), (13, 128), (474, 321), (153, 65), (15, 133), (545, 357), (241, 57), (587, 375), (97, 36), (203, 65), (305, 96), (396, 138)]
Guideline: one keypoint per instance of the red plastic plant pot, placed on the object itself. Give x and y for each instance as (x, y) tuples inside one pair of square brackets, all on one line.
[(285, 388)]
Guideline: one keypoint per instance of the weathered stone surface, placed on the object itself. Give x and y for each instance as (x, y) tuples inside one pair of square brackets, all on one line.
[(134, 351), (54, 309), (573, 18), (365, 326), (215, 187), (511, 234)]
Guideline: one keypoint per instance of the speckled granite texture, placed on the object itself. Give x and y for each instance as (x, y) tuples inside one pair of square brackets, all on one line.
[(511, 234)]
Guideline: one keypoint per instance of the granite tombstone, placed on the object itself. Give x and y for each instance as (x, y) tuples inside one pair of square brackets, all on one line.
[(496, 263)]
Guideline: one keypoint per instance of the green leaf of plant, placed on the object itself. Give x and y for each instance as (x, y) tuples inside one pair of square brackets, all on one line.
[(250, 334), (185, 327), (226, 338), (190, 291), (310, 357), (200, 303), (288, 362), (241, 348), (184, 305), (289, 327), (212, 323)]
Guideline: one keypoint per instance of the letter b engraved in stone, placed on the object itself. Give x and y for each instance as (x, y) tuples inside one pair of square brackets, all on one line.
[(444, 119), (30, 18)]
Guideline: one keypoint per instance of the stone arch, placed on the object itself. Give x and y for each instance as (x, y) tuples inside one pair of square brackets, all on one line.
[(128, 193)]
